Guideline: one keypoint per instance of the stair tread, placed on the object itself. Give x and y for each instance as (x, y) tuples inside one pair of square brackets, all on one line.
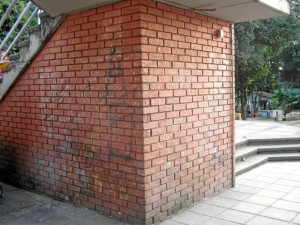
[(247, 150), (268, 146), (267, 141), (14, 57), (23, 43), (250, 160), (259, 159), (34, 29)]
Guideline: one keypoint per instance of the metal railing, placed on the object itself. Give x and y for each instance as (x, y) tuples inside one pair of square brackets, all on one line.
[(11, 34)]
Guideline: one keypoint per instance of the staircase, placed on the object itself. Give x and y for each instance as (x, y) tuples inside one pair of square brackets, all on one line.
[(254, 152), (38, 37)]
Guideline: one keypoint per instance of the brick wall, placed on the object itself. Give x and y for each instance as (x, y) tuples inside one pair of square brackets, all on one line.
[(72, 125), (187, 91), (127, 110)]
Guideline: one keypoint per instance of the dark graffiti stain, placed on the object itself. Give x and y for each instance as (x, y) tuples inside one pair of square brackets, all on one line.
[(55, 100), (115, 70)]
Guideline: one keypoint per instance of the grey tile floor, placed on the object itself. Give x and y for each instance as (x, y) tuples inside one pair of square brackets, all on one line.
[(262, 129), (267, 195), (19, 207)]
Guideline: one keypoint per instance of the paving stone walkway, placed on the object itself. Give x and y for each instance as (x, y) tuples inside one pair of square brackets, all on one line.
[(267, 195), (262, 129), (19, 207)]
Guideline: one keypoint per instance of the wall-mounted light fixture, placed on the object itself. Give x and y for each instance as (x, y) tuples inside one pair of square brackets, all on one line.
[(220, 33)]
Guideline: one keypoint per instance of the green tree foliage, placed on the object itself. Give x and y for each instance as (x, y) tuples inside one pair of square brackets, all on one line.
[(289, 58), (286, 99), (249, 60), (260, 47)]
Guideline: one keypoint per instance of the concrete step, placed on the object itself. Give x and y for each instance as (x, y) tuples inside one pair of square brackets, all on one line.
[(24, 44), (269, 141), (249, 151), (245, 152), (14, 57), (254, 161), (10, 76), (259, 159), (34, 29), (274, 141)]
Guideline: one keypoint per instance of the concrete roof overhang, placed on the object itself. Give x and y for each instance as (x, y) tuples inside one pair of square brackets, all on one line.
[(234, 11)]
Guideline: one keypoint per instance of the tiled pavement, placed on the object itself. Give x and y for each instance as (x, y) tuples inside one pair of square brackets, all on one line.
[(263, 129), (19, 207), (267, 195)]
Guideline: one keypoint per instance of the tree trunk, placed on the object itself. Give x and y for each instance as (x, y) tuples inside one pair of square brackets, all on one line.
[(244, 104)]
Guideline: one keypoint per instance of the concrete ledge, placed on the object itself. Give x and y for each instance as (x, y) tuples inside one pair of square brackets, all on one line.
[(242, 167), (267, 141), (252, 150)]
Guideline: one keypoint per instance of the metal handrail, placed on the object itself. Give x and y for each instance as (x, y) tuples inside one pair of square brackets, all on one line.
[(8, 11), (33, 14), (15, 25)]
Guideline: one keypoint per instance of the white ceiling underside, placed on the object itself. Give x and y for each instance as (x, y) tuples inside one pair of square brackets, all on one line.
[(59, 7), (234, 11)]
